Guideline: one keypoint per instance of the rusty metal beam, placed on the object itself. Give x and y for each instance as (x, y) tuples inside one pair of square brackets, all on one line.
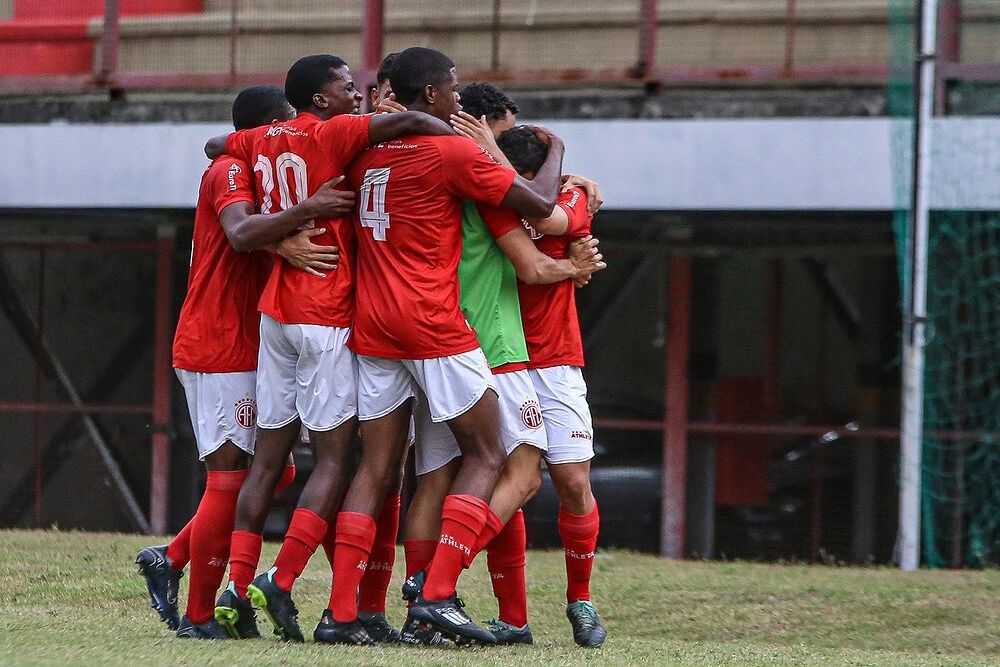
[(159, 485)]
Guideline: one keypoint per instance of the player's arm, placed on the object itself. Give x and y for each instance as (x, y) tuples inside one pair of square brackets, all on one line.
[(389, 126), (248, 230), (537, 198), (594, 198), (537, 268), (554, 225)]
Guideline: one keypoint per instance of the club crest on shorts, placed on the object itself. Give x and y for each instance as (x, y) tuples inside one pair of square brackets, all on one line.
[(531, 414), (246, 412)]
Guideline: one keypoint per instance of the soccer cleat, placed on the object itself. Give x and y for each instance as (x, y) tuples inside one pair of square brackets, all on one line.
[(377, 627), (207, 630), (330, 631), (506, 633), (447, 617), (587, 627), (414, 585), (417, 633), (277, 606), (236, 615), (162, 582)]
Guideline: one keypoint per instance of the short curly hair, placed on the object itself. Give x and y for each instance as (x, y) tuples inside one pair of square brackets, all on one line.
[(483, 99), (523, 147)]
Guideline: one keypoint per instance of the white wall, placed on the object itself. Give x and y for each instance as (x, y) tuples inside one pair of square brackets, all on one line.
[(793, 164)]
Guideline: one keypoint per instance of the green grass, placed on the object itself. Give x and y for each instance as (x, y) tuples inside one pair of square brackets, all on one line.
[(74, 598)]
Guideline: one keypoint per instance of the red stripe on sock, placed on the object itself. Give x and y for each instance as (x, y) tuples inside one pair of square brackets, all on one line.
[(579, 538), (462, 520), (211, 531), (355, 535), (505, 560), (304, 534), (244, 555), (378, 574)]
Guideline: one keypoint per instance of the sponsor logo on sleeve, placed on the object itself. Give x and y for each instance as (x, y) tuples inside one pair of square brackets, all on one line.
[(532, 232), (234, 171)]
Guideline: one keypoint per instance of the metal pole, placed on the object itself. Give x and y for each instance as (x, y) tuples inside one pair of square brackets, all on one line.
[(109, 43), (673, 509), (160, 468), (647, 38), (495, 37), (372, 45), (234, 33), (914, 326), (789, 36)]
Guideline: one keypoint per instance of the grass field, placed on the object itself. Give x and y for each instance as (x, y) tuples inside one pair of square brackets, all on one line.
[(74, 598)]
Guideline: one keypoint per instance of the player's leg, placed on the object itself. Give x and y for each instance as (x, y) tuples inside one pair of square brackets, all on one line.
[(460, 391), (278, 429), (326, 400), (385, 391), (563, 396), (375, 583)]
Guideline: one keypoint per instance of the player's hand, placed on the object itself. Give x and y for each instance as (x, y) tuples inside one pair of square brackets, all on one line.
[(329, 202), (546, 136), (302, 253), (586, 258), (594, 198), (390, 105), (479, 131)]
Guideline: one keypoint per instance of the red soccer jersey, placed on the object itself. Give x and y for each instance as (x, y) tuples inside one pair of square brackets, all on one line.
[(551, 325), (292, 160), (219, 326), (410, 242)]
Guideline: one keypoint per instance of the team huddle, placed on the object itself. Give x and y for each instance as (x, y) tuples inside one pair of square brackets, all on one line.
[(408, 277)]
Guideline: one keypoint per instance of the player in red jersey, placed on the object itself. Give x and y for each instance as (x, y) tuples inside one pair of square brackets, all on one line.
[(307, 374), (215, 357), (555, 350), (410, 334)]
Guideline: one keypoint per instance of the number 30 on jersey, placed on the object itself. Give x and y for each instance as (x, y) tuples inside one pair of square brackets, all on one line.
[(372, 202)]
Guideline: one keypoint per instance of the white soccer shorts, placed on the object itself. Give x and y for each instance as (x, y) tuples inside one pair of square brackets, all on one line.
[(562, 393), (222, 407), (452, 384), (305, 371), (520, 424)]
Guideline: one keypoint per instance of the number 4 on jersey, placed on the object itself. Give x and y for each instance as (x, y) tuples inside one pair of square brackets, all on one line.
[(372, 206)]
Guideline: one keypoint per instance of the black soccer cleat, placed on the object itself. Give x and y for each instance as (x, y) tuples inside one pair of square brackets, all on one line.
[(414, 585), (587, 627), (162, 582), (330, 631), (236, 615), (277, 606), (207, 630), (448, 617), (507, 634), (420, 634), (377, 627)]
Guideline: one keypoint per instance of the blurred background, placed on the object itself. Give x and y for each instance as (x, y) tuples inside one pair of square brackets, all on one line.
[(743, 346)]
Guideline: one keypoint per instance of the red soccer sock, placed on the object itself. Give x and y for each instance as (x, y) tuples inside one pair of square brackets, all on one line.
[(491, 529), (179, 549), (355, 535), (244, 555), (418, 555), (505, 559), (579, 538), (304, 534), (378, 574), (286, 479), (462, 519), (211, 530)]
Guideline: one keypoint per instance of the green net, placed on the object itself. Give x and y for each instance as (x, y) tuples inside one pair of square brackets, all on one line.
[(960, 499)]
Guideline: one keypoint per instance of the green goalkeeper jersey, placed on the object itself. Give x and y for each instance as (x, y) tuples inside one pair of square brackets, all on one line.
[(488, 286)]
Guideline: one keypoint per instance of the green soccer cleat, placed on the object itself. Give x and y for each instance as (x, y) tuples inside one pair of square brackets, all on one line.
[(277, 605), (207, 630), (587, 627), (236, 615), (507, 634)]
